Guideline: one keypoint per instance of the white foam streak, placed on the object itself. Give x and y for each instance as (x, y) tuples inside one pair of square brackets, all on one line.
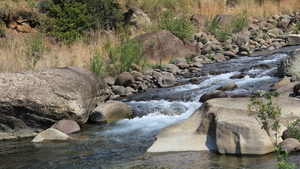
[(149, 123)]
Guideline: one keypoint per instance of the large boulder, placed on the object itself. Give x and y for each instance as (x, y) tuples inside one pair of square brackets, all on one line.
[(32, 101), (223, 125), (164, 45), (290, 66), (110, 111)]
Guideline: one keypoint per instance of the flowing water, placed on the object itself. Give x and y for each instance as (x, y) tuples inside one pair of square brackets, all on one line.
[(123, 144)]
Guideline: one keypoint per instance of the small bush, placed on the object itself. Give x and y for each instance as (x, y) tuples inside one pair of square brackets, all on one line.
[(239, 21), (267, 114), (2, 30), (124, 55), (292, 127), (98, 65), (105, 14), (182, 28), (35, 48)]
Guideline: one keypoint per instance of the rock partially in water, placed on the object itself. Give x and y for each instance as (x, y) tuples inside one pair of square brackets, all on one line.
[(213, 94), (50, 134), (31, 101), (110, 111), (223, 125), (289, 144)]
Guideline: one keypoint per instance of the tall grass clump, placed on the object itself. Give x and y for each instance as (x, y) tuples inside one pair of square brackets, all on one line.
[(182, 27), (35, 48), (98, 65), (121, 58), (222, 32), (2, 29)]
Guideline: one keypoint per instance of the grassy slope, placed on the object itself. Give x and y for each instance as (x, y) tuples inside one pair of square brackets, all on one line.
[(14, 49)]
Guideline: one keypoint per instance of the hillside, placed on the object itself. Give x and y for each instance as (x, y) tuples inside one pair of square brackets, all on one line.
[(29, 42)]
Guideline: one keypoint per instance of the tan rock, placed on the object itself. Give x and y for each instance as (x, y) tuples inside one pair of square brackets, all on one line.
[(281, 83), (222, 125), (110, 111), (50, 134)]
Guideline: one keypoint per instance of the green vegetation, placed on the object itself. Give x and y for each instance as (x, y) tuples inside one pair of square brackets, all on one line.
[(222, 32), (2, 30), (182, 27), (268, 115), (297, 27), (104, 14), (98, 64), (36, 48), (121, 58), (282, 159), (70, 19), (292, 127)]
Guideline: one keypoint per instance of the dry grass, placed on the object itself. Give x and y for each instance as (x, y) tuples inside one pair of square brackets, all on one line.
[(13, 50)]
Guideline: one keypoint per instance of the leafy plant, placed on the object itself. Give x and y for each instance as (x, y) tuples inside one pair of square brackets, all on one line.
[(268, 114), (292, 127), (282, 159), (182, 28)]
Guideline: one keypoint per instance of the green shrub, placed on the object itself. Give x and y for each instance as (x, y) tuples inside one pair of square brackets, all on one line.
[(70, 19), (35, 48), (98, 65), (2, 30), (105, 14), (268, 114), (124, 55), (292, 127), (239, 21), (182, 28)]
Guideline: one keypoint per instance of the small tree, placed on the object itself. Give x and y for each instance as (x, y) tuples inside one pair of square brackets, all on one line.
[(268, 115), (105, 14), (70, 19)]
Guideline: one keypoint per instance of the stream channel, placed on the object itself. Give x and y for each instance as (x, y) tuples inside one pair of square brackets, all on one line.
[(123, 144)]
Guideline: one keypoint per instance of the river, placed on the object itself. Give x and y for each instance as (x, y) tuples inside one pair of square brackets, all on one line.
[(123, 144)]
